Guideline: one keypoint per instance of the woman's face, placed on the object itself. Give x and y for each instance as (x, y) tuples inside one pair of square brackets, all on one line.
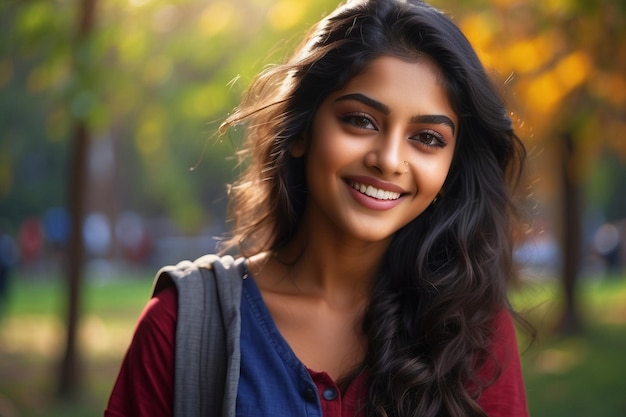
[(380, 150)]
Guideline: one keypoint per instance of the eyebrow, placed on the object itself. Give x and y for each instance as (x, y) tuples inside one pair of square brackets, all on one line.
[(377, 105)]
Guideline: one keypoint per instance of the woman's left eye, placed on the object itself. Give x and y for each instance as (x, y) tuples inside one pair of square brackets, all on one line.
[(359, 121), (430, 138)]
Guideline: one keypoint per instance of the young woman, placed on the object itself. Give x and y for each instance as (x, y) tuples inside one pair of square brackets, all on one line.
[(373, 224)]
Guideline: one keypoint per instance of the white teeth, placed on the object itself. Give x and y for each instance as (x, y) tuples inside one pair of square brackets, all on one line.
[(374, 192)]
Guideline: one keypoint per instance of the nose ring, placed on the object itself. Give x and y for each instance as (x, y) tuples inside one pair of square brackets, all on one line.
[(406, 165)]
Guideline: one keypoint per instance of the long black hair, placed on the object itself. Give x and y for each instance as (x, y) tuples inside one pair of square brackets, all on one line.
[(445, 274)]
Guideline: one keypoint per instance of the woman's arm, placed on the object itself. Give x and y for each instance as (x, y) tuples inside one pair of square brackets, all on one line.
[(145, 383), (506, 397)]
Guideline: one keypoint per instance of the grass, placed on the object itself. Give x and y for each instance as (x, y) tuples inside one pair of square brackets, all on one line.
[(576, 376), (33, 338), (580, 376)]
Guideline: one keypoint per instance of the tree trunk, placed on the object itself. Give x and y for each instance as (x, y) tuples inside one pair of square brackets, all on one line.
[(70, 375), (572, 238), (70, 367)]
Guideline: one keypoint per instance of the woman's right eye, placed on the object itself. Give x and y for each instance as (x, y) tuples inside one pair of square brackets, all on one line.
[(359, 121)]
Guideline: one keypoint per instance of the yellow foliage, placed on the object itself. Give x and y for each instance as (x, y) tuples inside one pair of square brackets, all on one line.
[(479, 29), (573, 70), (529, 55), (547, 91), (286, 14), (216, 18), (543, 93)]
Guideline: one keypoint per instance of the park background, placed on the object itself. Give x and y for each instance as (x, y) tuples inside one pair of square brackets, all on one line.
[(108, 114)]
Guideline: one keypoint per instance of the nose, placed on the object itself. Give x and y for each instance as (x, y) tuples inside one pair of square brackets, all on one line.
[(386, 156)]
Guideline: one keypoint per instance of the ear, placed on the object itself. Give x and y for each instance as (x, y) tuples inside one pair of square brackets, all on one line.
[(298, 147)]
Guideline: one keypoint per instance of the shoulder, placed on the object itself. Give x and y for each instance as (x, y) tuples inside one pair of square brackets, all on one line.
[(506, 395), (502, 348), (186, 270), (144, 386), (504, 338), (159, 315)]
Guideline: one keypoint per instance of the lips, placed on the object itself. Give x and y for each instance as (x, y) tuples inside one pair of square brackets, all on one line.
[(374, 192)]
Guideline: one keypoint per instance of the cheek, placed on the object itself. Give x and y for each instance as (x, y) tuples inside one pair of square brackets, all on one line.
[(329, 148), (433, 174)]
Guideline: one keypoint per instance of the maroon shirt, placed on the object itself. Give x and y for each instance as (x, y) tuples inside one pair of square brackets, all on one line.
[(145, 384)]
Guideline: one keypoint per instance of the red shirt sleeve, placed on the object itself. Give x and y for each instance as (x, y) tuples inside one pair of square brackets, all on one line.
[(145, 383), (506, 397)]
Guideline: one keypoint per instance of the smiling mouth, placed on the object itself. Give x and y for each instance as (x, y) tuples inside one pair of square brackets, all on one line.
[(374, 192)]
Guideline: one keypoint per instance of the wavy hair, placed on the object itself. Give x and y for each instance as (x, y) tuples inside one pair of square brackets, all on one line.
[(444, 274)]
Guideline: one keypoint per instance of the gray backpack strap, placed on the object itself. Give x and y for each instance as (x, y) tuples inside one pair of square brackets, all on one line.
[(207, 354)]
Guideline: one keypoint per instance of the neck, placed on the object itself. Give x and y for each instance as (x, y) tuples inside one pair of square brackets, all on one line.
[(337, 269)]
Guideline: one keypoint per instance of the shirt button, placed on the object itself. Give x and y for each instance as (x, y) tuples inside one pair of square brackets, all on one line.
[(329, 394), (310, 395)]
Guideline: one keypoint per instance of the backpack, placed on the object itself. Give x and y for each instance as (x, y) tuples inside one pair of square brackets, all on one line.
[(207, 353)]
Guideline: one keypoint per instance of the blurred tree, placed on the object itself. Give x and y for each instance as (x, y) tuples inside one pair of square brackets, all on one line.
[(566, 69), (154, 78), (33, 57), (84, 75), (168, 73)]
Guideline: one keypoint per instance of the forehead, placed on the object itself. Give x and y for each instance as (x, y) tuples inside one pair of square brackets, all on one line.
[(408, 85), (394, 66)]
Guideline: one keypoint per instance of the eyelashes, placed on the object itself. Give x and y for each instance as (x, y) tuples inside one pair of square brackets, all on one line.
[(428, 137), (359, 120)]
